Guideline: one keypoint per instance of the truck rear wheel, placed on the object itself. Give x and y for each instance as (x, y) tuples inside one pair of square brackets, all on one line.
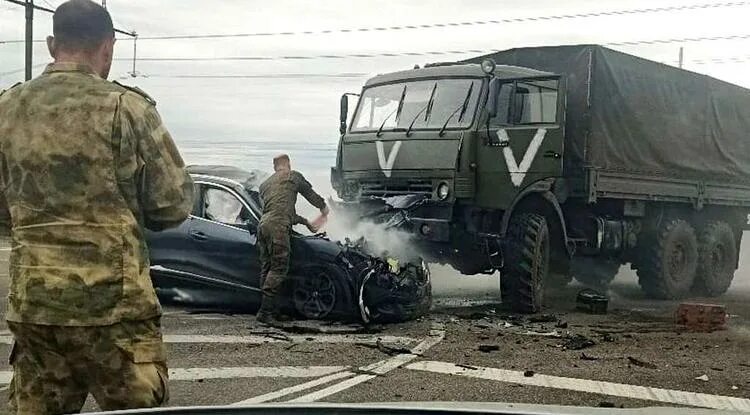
[(669, 259), (717, 259), (526, 263)]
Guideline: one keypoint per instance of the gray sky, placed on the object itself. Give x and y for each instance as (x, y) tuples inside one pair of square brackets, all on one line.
[(307, 108)]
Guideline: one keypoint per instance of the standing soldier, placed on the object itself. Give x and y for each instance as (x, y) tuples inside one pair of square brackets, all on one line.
[(279, 196), (85, 165)]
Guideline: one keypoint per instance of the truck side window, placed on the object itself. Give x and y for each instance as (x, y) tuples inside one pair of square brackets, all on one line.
[(503, 105), (535, 102)]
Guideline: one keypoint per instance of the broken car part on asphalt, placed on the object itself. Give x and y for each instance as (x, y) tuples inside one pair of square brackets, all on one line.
[(701, 317)]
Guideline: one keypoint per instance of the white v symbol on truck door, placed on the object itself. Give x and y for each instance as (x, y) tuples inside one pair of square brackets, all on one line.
[(518, 171), (386, 164)]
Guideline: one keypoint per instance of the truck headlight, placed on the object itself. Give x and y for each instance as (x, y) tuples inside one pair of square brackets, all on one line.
[(443, 191)]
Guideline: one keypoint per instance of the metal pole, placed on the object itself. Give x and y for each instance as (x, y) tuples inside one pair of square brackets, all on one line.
[(135, 48), (29, 36), (681, 56)]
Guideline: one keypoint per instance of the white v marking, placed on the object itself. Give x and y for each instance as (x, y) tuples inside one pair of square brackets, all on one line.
[(518, 171), (387, 164)]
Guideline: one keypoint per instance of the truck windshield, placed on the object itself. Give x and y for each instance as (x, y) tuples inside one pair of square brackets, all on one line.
[(378, 102)]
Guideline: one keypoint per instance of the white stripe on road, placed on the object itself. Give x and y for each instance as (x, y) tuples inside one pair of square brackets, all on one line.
[(327, 338), (379, 368), (183, 374), (293, 389), (253, 372), (590, 386)]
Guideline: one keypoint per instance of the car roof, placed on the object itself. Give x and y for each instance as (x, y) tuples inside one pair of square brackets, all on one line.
[(250, 180)]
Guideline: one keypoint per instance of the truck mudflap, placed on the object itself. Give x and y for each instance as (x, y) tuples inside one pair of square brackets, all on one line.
[(389, 290)]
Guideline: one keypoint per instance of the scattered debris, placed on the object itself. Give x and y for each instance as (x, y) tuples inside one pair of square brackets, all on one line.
[(543, 318), (470, 367), (641, 363), (701, 317), (744, 364), (486, 348), (592, 301), (577, 342), (702, 377), (607, 337), (718, 369), (734, 388), (389, 350), (553, 333), (584, 356), (528, 373), (561, 324), (606, 404)]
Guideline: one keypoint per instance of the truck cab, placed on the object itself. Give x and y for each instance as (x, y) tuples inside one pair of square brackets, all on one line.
[(462, 141)]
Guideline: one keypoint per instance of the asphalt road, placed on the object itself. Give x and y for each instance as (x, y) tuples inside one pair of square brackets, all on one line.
[(639, 356)]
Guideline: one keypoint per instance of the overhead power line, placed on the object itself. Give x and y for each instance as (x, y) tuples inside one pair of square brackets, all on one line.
[(609, 13), (48, 10), (266, 76), (422, 53)]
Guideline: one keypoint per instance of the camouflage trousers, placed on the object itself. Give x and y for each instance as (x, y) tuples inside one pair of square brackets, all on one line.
[(274, 249), (55, 368)]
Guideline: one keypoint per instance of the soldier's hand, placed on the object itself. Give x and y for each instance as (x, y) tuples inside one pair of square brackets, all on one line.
[(325, 211)]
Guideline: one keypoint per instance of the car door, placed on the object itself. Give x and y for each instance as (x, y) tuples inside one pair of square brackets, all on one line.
[(224, 237), (523, 143), (170, 249)]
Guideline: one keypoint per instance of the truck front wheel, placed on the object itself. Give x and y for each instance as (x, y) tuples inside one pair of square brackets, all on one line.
[(717, 253), (668, 260), (526, 263)]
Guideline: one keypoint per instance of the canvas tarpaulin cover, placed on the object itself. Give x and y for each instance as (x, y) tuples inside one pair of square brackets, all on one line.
[(632, 115)]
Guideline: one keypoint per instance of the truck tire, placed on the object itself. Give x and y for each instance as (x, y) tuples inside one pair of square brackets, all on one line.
[(526, 264), (668, 261), (596, 273), (717, 259)]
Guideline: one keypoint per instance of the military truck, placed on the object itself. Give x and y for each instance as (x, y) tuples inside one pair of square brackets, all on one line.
[(551, 162)]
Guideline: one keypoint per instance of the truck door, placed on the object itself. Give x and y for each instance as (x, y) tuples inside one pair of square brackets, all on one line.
[(523, 142)]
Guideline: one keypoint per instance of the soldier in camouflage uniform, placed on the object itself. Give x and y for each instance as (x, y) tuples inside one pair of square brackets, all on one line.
[(85, 166), (279, 196)]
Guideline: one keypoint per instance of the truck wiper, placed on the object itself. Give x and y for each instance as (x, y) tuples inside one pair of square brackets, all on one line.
[(397, 111), (427, 107), (461, 107)]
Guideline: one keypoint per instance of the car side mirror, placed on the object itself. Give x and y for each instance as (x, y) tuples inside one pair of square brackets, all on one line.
[(344, 112), (494, 89)]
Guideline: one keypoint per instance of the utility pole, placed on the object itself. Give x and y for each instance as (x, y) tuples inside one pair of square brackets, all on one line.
[(29, 36), (681, 55)]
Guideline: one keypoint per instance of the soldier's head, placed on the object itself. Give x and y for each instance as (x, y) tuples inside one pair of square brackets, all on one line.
[(84, 34), (282, 163)]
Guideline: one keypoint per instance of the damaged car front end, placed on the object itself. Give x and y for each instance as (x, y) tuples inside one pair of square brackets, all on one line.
[(211, 260)]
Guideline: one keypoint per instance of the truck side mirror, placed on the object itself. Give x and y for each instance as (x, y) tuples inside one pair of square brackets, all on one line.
[(344, 112), (494, 89)]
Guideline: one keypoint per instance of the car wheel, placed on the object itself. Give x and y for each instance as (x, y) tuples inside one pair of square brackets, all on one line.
[(315, 294)]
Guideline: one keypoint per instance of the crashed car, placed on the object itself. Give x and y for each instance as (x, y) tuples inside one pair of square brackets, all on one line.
[(212, 259)]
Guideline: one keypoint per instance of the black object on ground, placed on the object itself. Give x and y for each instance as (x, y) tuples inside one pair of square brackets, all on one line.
[(592, 301), (543, 318), (641, 363), (584, 356), (578, 342), (486, 348), (529, 373)]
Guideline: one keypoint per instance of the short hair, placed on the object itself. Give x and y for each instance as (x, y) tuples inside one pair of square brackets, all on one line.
[(281, 158), (81, 25)]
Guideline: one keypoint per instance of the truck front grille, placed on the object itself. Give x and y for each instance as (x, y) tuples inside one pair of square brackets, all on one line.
[(380, 189)]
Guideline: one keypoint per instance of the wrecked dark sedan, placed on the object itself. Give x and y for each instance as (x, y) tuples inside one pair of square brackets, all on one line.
[(212, 260)]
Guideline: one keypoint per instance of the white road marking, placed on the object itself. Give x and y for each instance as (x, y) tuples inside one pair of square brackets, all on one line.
[(252, 372), (293, 389), (220, 339), (380, 368), (590, 386), (183, 374), (6, 249)]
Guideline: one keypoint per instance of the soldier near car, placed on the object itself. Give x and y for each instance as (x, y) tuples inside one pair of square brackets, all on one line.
[(279, 196), (85, 166)]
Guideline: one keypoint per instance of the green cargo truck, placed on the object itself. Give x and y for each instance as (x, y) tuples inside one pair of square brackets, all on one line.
[(556, 162)]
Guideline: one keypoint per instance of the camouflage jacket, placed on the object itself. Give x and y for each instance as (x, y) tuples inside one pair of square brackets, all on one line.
[(279, 196), (85, 165)]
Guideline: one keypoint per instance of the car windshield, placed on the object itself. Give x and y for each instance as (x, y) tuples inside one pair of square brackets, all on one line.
[(427, 104)]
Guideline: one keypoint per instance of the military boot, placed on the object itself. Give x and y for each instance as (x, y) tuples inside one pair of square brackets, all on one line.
[(268, 313)]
